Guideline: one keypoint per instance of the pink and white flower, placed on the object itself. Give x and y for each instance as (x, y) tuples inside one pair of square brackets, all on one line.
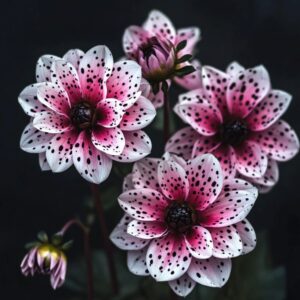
[(86, 110), (46, 259), (155, 47), (236, 116), (183, 223)]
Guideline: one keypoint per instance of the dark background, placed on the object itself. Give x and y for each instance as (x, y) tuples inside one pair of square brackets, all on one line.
[(251, 32)]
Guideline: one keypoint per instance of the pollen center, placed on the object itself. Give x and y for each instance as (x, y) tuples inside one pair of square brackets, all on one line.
[(234, 132), (82, 115), (179, 216)]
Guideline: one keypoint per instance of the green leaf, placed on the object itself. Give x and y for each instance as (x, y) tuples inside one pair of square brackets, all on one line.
[(31, 245), (42, 236), (181, 45), (184, 58), (109, 197), (76, 280), (66, 246), (185, 71), (158, 122), (252, 277), (56, 239)]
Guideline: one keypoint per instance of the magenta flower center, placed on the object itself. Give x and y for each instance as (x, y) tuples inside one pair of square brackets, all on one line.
[(234, 132), (180, 216), (83, 115)]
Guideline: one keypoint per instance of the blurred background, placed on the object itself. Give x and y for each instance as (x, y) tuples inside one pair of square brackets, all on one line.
[(251, 32)]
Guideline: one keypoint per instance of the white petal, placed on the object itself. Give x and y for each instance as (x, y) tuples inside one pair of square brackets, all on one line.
[(74, 57), (123, 240), (59, 152), (182, 286), (43, 67), (136, 262), (43, 162), (213, 272), (137, 146), (92, 164), (247, 234), (139, 115), (33, 140), (29, 101)]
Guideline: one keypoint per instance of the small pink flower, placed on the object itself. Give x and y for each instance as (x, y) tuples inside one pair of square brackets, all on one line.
[(86, 110), (154, 46), (47, 260), (236, 117), (182, 223)]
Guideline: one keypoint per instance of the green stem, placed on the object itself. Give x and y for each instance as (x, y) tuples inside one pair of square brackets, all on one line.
[(165, 89), (87, 250), (105, 239)]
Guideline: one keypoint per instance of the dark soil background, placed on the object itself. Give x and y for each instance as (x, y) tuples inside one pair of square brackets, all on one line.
[(251, 32)]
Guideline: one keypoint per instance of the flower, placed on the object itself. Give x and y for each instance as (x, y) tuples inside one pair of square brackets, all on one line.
[(86, 110), (183, 223), (163, 53), (47, 259), (236, 117)]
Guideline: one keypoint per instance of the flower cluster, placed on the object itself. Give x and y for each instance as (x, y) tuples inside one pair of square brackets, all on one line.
[(185, 213)]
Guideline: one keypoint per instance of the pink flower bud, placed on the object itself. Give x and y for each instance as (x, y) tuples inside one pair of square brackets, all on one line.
[(47, 260), (157, 58)]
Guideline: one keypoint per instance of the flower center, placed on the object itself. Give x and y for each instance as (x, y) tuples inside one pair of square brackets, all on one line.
[(82, 115), (234, 132), (179, 216)]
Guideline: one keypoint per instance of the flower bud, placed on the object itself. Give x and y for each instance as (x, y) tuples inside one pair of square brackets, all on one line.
[(46, 259), (157, 58)]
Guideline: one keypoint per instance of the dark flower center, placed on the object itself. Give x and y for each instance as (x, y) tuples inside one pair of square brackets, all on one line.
[(234, 132), (82, 115), (179, 216)]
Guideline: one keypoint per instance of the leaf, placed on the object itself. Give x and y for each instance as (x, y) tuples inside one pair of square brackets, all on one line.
[(185, 71), (109, 197), (31, 245), (181, 45), (42, 236), (184, 58), (57, 239), (252, 277), (158, 122), (66, 246), (76, 280)]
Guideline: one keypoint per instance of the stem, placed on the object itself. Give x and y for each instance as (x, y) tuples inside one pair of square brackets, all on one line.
[(165, 90), (105, 238), (87, 251)]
